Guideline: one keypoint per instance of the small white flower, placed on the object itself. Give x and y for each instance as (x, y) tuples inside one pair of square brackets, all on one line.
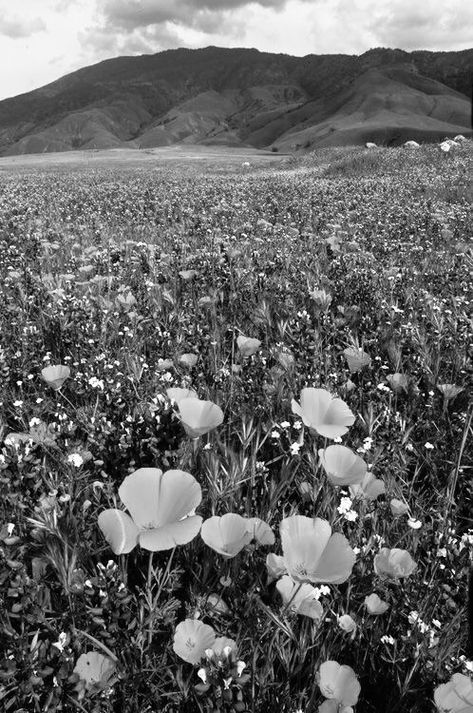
[(18, 404), (351, 516), (240, 665), (284, 424), (428, 446), (202, 674), (10, 528), (388, 640), (61, 642), (295, 448), (34, 422), (414, 524), (275, 434), (76, 459), (345, 505), (96, 383), (297, 425)]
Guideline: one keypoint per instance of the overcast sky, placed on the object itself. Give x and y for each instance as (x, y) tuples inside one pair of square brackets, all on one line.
[(41, 40)]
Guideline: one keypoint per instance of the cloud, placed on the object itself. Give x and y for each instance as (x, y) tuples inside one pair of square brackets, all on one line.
[(412, 26), (131, 14), (149, 26), (16, 28)]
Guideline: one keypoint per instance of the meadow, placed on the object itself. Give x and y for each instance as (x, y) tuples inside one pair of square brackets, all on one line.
[(236, 418)]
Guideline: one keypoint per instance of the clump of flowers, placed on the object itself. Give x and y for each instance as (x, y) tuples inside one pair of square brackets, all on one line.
[(221, 672)]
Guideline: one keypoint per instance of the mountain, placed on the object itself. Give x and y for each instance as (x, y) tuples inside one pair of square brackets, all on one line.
[(244, 97)]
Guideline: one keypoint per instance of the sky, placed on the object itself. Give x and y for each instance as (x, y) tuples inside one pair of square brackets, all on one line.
[(42, 40)]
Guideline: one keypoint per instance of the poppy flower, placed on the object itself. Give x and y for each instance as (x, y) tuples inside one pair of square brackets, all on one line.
[(164, 364), (312, 554), (160, 505), (342, 466), (375, 605), (369, 488), (300, 598), (55, 376), (217, 605), (247, 345), (339, 683), (199, 417), (356, 358), (455, 696), (398, 508), (322, 412), (176, 394), (188, 360), (191, 639), (187, 274), (95, 670), (395, 563), (321, 298), (227, 534), (286, 360), (449, 391), (398, 382), (346, 623)]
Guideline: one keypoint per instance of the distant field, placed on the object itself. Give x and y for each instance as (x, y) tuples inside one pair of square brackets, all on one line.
[(214, 156), (270, 368)]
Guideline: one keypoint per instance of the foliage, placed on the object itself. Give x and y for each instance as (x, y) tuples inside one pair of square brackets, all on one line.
[(270, 279)]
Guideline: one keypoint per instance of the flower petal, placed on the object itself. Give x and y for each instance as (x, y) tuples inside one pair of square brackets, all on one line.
[(303, 541), (342, 466), (176, 394), (339, 414), (260, 531), (171, 534), (119, 530), (140, 492), (199, 417), (227, 535), (180, 494), (336, 562), (314, 404), (300, 598)]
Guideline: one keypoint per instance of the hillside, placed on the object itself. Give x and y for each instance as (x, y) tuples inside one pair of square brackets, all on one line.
[(244, 97)]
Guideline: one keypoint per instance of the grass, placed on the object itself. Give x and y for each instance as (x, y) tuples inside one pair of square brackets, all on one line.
[(90, 266)]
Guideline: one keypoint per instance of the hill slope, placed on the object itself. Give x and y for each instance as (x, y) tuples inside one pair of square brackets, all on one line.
[(244, 97)]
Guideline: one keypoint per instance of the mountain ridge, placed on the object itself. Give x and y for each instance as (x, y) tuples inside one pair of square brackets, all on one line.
[(244, 97)]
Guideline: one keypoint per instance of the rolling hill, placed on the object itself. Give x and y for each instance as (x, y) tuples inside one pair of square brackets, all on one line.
[(243, 97)]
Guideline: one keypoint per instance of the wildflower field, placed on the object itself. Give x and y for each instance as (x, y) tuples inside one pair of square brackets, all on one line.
[(235, 469)]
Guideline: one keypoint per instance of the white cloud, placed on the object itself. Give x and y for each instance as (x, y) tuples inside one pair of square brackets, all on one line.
[(15, 27)]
